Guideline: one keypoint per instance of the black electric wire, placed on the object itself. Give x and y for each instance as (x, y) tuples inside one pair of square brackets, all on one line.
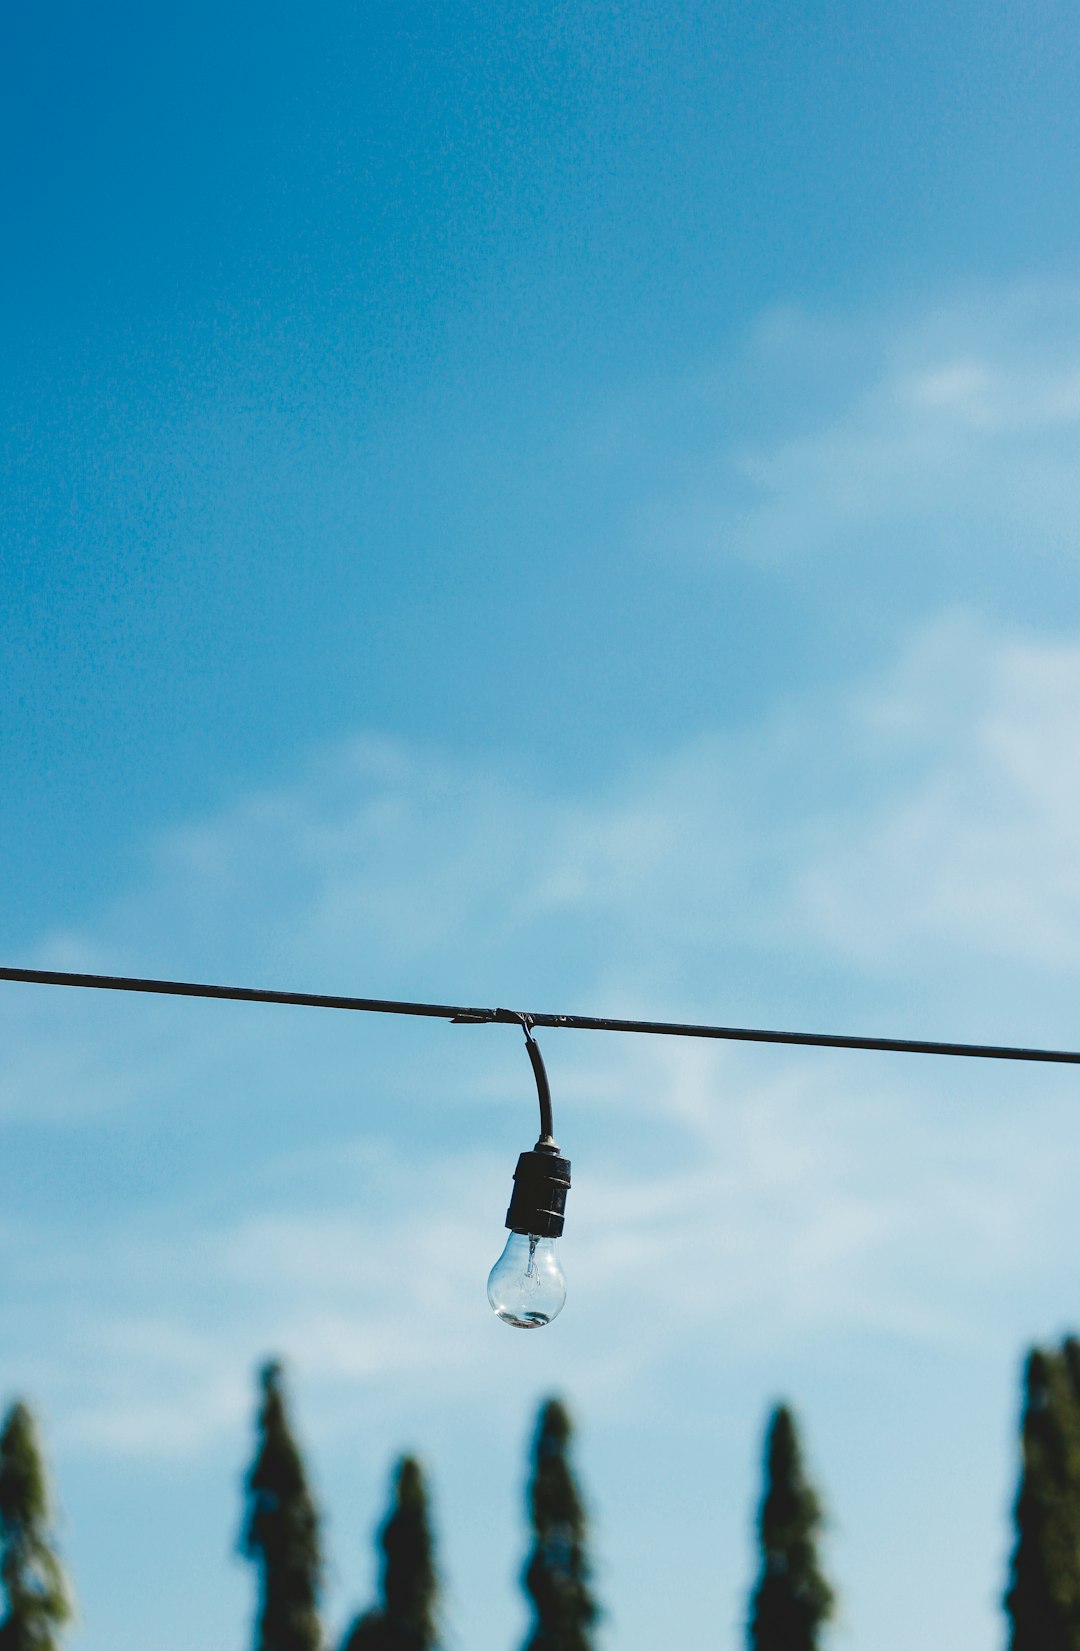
[(516, 1017), (543, 1088)]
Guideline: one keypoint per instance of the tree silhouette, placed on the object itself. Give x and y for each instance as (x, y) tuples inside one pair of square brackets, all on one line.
[(1043, 1599), (37, 1593), (407, 1617), (792, 1599), (557, 1574), (281, 1530)]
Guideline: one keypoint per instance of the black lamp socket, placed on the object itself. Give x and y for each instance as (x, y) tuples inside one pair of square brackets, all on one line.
[(541, 1182)]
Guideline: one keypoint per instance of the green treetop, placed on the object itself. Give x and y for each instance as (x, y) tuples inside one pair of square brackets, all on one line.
[(407, 1617), (792, 1600), (38, 1598), (281, 1530), (1043, 1600), (557, 1574)]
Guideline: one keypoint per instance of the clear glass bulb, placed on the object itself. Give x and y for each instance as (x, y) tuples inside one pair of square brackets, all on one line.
[(526, 1286)]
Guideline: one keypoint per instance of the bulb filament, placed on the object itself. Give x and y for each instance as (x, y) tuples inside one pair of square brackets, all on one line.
[(532, 1272)]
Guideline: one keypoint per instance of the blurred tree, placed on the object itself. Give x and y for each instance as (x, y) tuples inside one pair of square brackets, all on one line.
[(1043, 1599), (281, 1530), (38, 1597), (558, 1572), (407, 1618), (792, 1600)]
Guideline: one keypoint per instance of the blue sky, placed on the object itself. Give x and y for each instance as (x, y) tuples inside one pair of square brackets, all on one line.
[(572, 507)]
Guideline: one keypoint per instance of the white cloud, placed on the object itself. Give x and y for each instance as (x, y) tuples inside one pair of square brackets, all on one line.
[(976, 852), (200, 1185), (931, 439), (725, 1198), (818, 1203)]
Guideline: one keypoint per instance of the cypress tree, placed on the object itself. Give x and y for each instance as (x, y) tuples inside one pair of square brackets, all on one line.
[(1043, 1599), (558, 1573), (281, 1530), (792, 1600), (368, 1633), (38, 1598), (407, 1617)]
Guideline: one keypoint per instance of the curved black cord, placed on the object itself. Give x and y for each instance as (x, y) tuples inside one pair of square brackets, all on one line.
[(543, 1088)]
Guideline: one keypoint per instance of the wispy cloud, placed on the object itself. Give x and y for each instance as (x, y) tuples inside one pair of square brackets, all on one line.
[(935, 439), (185, 1188), (737, 1201), (969, 839)]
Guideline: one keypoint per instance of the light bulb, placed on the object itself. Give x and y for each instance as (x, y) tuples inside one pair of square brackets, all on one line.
[(526, 1286)]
